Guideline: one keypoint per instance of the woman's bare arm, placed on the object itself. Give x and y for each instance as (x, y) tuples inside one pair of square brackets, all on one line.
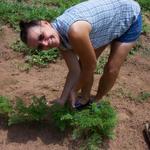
[(73, 74), (81, 44)]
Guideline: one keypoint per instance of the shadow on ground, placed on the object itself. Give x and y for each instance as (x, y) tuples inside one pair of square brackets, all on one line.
[(22, 133)]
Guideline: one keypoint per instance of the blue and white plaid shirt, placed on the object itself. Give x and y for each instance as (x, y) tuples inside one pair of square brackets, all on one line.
[(109, 20)]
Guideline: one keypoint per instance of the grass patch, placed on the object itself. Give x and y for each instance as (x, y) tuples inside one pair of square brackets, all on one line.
[(146, 28), (13, 11), (143, 96), (35, 57), (100, 64), (91, 125), (146, 25), (5, 105), (24, 67), (136, 48), (145, 4)]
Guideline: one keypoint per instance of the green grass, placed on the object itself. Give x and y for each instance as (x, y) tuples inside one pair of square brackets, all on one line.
[(136, 48), (145, 4), (146, 27), (100, 64), (143, 96), (5, 105), (35, 57), (13, 12), (91, 125)]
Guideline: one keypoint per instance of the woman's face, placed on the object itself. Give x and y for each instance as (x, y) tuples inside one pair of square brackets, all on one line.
[(43, 36)]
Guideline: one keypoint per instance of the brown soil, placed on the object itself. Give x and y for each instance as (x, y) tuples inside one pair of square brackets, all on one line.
[(134, 78)]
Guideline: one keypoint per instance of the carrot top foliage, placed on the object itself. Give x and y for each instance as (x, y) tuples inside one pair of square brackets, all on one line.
[(92, 124)]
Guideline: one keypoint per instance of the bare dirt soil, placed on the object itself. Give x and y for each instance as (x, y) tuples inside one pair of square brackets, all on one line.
[(134, 78)]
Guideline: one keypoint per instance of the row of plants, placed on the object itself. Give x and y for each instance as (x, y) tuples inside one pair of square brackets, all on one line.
[(91, 125)]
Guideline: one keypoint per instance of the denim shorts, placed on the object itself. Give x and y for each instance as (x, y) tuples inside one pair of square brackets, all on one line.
[(133, 33)]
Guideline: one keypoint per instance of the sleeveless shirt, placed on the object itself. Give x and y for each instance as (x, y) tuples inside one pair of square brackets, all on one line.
[(109, 19)]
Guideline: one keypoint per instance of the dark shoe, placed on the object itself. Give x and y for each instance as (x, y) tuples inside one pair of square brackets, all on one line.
[(80, 106), (146, 133)]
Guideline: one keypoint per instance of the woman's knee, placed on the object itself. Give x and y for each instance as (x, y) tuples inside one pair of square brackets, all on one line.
[(111, 68)]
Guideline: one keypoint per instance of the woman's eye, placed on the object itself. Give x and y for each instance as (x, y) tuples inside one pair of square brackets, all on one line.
[(41, 37)]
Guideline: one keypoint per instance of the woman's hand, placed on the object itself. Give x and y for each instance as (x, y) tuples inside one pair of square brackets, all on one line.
[(57, 101), (71, 100), (72, 77)]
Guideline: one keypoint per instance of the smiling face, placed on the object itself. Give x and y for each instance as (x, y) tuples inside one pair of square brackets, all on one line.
[(43, 36)]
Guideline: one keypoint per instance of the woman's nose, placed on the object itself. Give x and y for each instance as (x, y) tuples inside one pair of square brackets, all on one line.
[(44, 43)]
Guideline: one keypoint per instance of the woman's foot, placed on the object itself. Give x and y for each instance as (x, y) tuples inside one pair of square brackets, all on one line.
[(79, 105)]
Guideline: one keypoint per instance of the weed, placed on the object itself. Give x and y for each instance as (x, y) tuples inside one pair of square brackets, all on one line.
[(13, 12), (24, 67), (20, 47), (140, 97), (5, 106), (143, 96), (145, 4), (100, 64), (136, 48), (35, 57), (44, 57), (146, 27)]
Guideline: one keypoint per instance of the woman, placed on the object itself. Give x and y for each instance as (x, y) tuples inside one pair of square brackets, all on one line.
[(81, 34)]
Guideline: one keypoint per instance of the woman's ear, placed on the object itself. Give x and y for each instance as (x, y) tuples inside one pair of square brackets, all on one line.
[(44, 22), (22, 24)]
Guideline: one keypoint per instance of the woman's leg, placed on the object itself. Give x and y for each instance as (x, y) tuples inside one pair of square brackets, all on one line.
[(99, 51), (85, 92), (118, 53)]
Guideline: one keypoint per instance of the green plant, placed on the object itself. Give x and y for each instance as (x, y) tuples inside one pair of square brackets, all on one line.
[(143, 96), (24, 67), (145, 4), (93, 123), (13, 12), (62, 116), (136, 48), (36, 111), (44, 57), (35, 57), (5, 105), (20, 47), (100, 64), (146, 27)]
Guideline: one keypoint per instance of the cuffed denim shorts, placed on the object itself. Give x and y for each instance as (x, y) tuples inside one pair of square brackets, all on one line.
[(133, 33)]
